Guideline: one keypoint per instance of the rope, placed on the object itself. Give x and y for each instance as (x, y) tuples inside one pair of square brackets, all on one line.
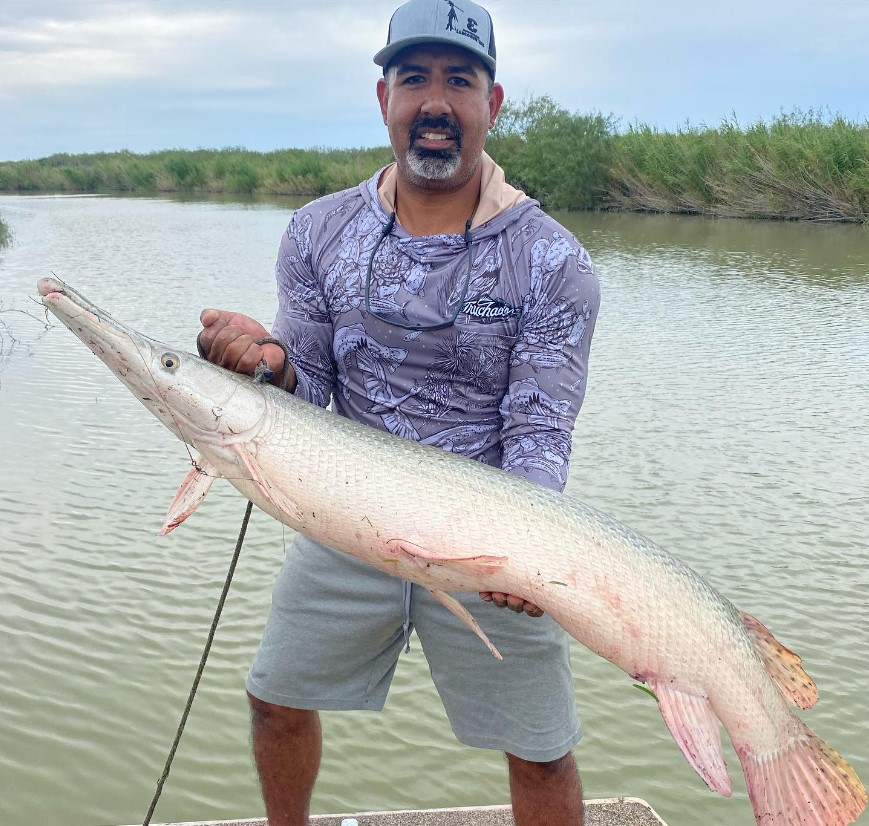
[(262, 374)]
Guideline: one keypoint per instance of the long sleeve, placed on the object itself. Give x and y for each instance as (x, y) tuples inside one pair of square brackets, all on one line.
[(302, 321), (549, 362)]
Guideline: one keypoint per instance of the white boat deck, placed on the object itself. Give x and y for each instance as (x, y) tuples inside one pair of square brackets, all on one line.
[(617, 811)]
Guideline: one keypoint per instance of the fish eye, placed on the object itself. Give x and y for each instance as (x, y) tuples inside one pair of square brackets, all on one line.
[(170, 361)]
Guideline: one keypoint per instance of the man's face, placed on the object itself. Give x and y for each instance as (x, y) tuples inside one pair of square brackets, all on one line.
[(437, 106)]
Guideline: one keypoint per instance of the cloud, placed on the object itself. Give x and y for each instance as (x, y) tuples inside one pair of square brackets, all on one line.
[(149, 74), (52, 55)]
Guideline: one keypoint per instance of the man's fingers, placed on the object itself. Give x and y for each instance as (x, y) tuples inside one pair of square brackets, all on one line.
[(240, 354), (513, 602)]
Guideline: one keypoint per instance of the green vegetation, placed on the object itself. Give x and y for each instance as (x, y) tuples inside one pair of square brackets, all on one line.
[(5, 234), (283, 172), (562, 159), (798, 166)]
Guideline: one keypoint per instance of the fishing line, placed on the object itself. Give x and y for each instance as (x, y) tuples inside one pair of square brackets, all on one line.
[(202, 661), (262, 374)]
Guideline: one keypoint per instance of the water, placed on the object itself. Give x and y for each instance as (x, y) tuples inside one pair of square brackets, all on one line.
[(726, 418)]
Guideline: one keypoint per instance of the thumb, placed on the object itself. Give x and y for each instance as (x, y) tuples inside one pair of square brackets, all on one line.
[(208, 316)]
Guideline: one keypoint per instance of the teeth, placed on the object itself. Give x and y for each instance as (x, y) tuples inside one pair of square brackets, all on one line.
[(434, 136)]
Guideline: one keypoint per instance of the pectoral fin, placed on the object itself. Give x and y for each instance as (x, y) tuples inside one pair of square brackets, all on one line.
[(455, 607), (695, 728), (189, 496), (271, 492)]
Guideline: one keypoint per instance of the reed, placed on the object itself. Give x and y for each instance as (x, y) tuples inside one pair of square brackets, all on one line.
[(5, 234), (798, 166)]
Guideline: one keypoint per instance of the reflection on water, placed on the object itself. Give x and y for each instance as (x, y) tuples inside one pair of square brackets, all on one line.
[(824, 255), (726, 418)]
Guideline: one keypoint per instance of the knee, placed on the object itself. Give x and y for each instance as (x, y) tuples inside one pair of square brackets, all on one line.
[(274, 718), (541, 772)]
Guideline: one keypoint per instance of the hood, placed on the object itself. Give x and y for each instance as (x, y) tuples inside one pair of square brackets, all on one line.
[(503, 203)]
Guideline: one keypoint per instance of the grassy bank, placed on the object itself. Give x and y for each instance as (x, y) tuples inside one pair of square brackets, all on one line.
[(798, 166), (284, 172)]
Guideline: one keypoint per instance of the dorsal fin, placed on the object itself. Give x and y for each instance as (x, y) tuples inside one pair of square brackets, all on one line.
[(782, 664)]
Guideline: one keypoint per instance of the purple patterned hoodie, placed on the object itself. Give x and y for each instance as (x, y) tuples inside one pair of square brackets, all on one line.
[(503, 385)]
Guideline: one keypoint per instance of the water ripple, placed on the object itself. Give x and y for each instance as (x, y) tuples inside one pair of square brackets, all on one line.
[(726, 418)]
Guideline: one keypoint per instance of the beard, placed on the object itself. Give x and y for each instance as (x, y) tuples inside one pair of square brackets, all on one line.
[(434, 164)]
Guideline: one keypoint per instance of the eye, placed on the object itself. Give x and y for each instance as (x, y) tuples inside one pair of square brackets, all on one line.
[(170, 361), (459, 81)]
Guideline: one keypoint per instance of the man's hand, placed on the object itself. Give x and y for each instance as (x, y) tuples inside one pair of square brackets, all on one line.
[(230, 340), (512, 602)]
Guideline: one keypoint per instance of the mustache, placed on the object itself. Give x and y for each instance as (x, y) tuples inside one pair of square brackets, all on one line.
[(442, 124)]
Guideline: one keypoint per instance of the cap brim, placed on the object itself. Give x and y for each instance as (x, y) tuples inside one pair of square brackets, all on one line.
[(385, 55)]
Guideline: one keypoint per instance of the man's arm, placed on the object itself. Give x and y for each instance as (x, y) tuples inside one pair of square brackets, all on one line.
[(549, 364), (548, 371)]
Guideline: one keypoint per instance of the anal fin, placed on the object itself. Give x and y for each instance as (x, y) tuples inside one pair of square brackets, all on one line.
[(696, 730), (457, 609)]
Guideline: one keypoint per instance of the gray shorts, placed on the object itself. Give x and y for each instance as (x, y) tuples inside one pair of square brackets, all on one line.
[(334, 635)]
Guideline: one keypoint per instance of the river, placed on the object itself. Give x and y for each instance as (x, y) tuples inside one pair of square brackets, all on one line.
[(727, 418)]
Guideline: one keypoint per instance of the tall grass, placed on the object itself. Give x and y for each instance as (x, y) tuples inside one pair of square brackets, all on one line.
[(5, 234), (797, 166)]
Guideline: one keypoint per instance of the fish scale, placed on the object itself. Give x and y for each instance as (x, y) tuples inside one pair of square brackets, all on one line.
[(449, 523)]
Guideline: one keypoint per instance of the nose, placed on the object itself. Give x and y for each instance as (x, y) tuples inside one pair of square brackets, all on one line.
[(436, 103)]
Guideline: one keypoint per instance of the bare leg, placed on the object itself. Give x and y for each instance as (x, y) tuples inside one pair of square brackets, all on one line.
[(286, 747), (545, 794)]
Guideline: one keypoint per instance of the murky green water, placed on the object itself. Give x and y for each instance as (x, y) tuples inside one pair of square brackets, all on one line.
[(727, 418)]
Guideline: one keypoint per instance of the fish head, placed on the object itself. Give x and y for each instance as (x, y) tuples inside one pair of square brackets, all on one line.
[(201, 403)]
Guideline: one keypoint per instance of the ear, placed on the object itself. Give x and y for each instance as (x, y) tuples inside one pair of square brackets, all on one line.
[(383, 96), (495, 101)]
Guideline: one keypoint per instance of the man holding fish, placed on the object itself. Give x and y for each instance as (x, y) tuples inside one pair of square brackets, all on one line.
[(438, 303)]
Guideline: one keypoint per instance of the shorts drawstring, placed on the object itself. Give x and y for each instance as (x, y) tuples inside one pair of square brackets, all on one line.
[(405, 596)]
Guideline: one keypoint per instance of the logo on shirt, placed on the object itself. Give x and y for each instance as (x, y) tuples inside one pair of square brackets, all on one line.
[(487, 309)]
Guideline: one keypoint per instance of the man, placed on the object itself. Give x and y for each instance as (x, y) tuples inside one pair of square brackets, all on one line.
[(438, 303)]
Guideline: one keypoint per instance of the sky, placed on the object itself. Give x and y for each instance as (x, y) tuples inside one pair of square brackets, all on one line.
[(144, 75)]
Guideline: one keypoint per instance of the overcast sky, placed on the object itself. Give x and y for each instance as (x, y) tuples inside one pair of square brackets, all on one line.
[(103, 75)]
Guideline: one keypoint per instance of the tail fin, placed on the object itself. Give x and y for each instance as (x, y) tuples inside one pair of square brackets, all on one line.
[(805, 783)]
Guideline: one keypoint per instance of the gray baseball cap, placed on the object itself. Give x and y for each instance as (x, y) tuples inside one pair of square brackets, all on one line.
[(457, 22)]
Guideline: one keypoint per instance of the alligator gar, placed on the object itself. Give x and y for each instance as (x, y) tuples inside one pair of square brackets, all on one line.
[(359, 490)]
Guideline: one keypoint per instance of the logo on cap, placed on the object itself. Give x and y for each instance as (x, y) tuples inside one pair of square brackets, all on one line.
[(470, 29)]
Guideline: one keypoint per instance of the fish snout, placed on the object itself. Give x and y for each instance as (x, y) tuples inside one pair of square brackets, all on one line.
[(47, 286)]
